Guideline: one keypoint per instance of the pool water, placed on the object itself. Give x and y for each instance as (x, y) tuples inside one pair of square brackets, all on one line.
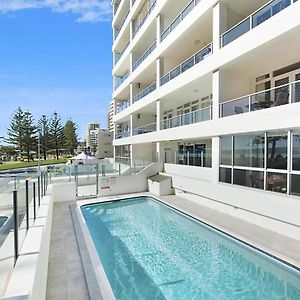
[(150, 251)]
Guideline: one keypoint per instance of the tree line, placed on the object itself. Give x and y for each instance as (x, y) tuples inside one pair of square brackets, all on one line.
[(47, 135)]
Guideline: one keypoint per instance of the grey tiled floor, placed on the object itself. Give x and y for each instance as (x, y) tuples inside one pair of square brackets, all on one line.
[(66, 278)]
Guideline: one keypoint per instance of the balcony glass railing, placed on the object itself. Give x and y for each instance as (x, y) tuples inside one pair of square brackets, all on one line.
[(261, 15), (139, 26), (121, 79), (201, 115), (179, 18), (122, 105), (144, 56), (281, 95), (145, 92), (120, 54), (195, 59), (144, 129), (123, 134), (118, 29)]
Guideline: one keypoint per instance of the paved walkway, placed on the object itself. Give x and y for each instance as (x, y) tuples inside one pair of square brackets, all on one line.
[(66, 278)]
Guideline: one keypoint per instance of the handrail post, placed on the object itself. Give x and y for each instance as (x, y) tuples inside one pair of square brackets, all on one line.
[(39, 191), (15, 212), (249, 103), (291, 93), (27, 203), (34, 201)]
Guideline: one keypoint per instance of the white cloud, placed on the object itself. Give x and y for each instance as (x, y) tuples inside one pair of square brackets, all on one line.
[(84, 10)]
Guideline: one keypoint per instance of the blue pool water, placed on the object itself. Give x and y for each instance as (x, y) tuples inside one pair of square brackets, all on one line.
[(150, 251)]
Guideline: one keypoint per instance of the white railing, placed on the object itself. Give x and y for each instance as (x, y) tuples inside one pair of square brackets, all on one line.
[(144, 56), (277, 96), (144, 129), (120, 135), (144, 19), (145, 92), (259, 16), (201, 115), (187, 64), (179, 18)]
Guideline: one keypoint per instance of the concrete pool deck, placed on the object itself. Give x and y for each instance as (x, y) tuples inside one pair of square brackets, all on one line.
[(66, 278)]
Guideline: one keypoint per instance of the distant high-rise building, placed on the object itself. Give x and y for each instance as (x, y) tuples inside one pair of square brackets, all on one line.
[(110, 115), (92, 137)]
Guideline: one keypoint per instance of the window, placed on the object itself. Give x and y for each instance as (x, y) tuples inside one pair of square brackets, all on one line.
[(277, 182), (295, 185), (296, 152), (277, 151), (225, 175), (249, 150), (248, 178), (226, 150)]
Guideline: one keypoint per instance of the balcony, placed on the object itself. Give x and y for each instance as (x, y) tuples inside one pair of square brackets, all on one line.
[(145, 92), (122, 106), (118, 29), (123, 134), (139, 26), (144, 129), (190, 62), (144, 56), (264, 13), (179, 18), (281, 95), (120, 54), (121, 79), (201, 115)]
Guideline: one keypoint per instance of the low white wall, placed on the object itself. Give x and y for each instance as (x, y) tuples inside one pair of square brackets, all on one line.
[(137, 183), (271, 210), (65, 191)]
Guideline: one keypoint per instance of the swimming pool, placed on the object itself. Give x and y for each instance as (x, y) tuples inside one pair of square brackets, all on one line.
[(150, 251)]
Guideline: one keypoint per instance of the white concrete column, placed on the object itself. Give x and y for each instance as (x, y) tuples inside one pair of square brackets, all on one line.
[(130, 62), (215, 156), (216, 94), (131, 124), (158, 29), (131, 30), (159, 114), (159, 70), (131, 156), (131, 93), (219, 24), (160, 153)]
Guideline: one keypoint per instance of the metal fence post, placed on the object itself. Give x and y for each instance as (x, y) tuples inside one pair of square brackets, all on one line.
[(42, 185), (119, 169), (39, 191), (27, 204), (34, 201), (97, 179), (16, 242)]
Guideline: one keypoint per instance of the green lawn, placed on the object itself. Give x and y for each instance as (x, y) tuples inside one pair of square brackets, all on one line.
[(17, 165)]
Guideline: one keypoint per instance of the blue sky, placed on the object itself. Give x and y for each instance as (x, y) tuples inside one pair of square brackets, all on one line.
[(55, 55)]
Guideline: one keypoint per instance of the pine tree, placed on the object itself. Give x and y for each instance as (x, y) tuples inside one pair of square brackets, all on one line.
[(56, 133), (44, 138), (29, 131), (15, 130), (70, 131)]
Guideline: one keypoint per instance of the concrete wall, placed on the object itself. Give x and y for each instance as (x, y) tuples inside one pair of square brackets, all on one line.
[(274, 211)]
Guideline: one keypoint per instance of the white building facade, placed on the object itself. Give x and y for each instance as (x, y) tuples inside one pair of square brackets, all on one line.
[(212, 89), (104, 144)]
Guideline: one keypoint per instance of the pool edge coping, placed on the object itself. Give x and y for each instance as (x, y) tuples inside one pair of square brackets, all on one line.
[(229, 234)]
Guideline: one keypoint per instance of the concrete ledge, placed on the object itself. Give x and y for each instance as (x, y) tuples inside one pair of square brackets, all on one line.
[(29, 277)]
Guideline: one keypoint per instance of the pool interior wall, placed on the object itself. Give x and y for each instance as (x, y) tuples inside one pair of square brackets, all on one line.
[(149, 250)]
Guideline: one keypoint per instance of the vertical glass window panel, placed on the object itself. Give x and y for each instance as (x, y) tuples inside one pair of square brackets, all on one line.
[(249, 178), (295, 185), (225, 175), (296, 152), (226, 150), (277, 182), (277, 151), (249, 150)]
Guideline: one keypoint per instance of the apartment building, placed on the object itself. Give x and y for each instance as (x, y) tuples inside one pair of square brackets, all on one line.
[(104, 144), (110, 115), (92, 137), (212, 89)]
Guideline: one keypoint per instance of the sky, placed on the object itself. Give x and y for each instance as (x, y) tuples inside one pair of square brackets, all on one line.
[(55, 55)]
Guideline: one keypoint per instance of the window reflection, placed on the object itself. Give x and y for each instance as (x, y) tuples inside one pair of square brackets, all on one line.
[(296, 152), (225, 175), (226, 150), (277, 182), (277, 151), (295, 185), (249, 178), (249, 151)]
